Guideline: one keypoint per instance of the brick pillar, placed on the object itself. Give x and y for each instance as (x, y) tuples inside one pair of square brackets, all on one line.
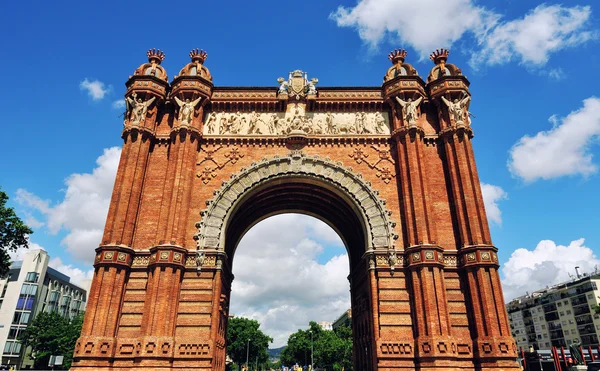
[(115, 254), (189, 95), (96, 345), (425, 278), (493, 345)]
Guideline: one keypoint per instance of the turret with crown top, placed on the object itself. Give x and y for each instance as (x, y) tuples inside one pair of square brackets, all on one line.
[(191, 90), (146, 89), (449, 90), (401, 82)]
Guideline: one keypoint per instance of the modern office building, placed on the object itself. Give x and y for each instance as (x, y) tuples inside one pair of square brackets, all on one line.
[(32, 287), (344, 320), (558, 316)]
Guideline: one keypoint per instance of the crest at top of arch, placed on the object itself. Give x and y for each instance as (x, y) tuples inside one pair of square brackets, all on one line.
[(376, 217)]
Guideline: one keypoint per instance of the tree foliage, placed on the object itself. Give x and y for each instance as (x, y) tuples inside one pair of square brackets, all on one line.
[(243, 334), (51, 334), (331, 349), (13, 233)]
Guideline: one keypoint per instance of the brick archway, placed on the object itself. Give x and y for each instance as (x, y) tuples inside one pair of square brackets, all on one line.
[(426, 292), (315, 186)]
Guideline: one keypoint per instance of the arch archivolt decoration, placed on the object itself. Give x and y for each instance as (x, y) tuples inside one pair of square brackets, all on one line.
[(376, 218)]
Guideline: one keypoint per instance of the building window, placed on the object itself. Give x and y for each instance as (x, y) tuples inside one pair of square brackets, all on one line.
[(562, 314), (590, 296), (32, 277), (543, 327), (568, 312), (12, 347), (559, 304), (573, 331), (21, 318), (14, 332)]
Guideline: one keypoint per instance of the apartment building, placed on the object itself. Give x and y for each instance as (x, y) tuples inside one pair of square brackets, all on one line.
[(32, 287), (558, 316)]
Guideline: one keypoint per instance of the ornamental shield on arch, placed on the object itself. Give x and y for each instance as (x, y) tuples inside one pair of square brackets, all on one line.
[(297, 83)]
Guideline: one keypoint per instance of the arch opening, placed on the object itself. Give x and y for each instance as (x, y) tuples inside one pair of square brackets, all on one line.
[(287, 280), (313, 186), (296, 194)]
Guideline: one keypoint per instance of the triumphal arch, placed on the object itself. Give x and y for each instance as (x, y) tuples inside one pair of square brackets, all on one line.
[(390, 168)]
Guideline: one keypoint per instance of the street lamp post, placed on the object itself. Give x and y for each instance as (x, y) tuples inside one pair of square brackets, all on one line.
[(247, 351), (312, 361)]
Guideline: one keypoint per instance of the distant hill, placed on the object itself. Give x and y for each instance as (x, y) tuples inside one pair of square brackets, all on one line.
[(275, 353)]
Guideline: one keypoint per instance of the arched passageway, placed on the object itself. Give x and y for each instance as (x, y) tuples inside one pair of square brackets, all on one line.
[(315, 187)]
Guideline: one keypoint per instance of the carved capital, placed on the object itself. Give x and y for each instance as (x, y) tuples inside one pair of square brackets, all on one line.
[(478, 255), (114, 255)]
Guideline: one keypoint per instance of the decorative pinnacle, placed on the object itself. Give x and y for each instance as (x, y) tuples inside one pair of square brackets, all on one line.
[(397, 55), (155, 55), (198, 55), (439, 55)]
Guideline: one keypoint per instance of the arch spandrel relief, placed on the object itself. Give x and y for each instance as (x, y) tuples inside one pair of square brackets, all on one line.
[(379, 227)]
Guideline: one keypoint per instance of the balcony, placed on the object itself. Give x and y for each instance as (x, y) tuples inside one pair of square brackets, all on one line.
[(579, 300), (586, 330), (556, 334), (550, 308), (589, 340), (581, 310), (551, 316), (554, 326)]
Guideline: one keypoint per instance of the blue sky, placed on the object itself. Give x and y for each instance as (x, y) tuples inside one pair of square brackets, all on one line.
[(532, 67)]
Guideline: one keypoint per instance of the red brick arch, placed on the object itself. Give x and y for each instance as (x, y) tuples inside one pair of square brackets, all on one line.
[(404, 197)]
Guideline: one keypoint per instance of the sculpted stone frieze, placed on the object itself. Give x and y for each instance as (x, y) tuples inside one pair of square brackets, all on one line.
[(296, 119)]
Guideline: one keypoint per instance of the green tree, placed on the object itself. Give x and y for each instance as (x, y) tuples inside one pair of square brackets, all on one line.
[(13, 233), (331, 349), (244, 334), (51, 334)]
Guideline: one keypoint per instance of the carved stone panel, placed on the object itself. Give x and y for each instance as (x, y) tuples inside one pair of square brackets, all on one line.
[(280, 123)]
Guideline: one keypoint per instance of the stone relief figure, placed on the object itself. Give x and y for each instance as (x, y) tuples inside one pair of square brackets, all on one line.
[(283, 85), (330, 128), (409, 110), (186, 110), (312, 86), (138, 109), (380, 126), (211, 123), (457, 110), (223, 126), (360, 122)]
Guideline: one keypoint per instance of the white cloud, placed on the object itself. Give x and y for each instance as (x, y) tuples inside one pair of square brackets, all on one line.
[(531, 40), (32, 222), (79, 277), (425, 25), (82, 212), (430, 24), (20, 253), (118, 104), (491, 195), (95, 89), (279, 281), (556, 73), (562, 150), (546, 265)]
